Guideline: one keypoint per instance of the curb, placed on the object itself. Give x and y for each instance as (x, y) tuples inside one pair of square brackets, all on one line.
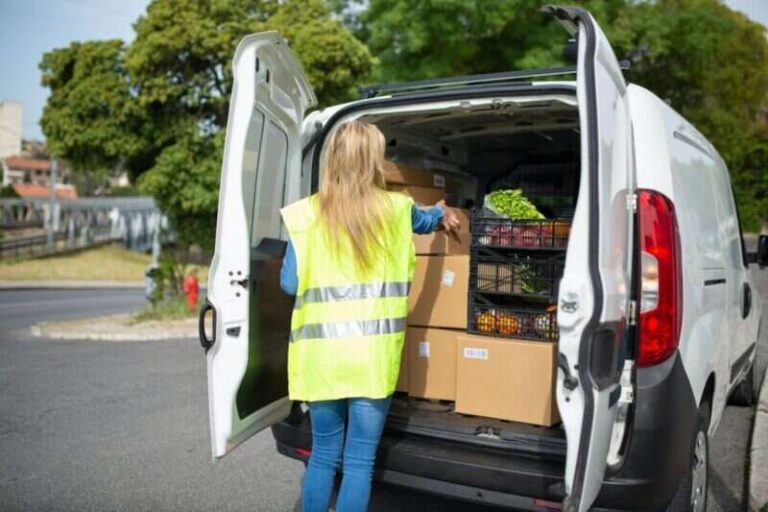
[(41, 332), (114, 328), (67, 285), (758, 454)]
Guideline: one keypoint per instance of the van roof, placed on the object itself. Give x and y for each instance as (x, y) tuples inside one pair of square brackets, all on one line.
[(393, 88)]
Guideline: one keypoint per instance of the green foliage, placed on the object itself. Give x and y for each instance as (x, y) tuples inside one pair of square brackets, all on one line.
[(185, 183), (513, 204), (90, 117), (438, 38), (173, 308), (159, 106), (711, 63)]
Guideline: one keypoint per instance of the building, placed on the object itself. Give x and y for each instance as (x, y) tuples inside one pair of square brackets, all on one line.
[(10, 128), (24, 161), (29, 191)]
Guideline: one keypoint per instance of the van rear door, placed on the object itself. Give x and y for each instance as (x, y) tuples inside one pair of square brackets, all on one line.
[(246, 359), (595, 293)]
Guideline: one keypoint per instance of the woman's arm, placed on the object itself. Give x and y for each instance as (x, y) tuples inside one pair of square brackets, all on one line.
[(426, 221), (289, 279)]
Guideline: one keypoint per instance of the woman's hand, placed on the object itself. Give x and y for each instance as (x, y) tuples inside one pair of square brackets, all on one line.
[(450, 220)]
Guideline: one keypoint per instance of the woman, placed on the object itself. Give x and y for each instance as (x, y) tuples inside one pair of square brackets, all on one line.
[(349, 262)]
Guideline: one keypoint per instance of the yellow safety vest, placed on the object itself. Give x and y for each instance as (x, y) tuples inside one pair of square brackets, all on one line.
[(347, 329)]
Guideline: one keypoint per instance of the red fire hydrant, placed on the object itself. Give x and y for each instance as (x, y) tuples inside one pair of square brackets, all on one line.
[(191, 289)]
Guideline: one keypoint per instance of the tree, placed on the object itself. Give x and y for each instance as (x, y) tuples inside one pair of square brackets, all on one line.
[(711, 63), (439, 38), (91, 117), (159, 106), (180, 65)]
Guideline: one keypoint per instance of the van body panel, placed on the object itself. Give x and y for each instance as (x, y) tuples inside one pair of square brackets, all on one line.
[(675, 159)]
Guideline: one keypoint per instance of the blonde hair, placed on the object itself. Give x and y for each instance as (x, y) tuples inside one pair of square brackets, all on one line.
[(352, 202)]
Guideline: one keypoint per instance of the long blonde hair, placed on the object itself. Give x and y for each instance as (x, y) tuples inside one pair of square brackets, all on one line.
[(352, 203)]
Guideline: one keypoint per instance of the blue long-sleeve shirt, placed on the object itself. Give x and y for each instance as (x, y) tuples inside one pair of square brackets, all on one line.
[(423, 222)]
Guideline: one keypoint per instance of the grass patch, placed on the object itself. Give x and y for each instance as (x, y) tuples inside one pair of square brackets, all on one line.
[(105, 263), (174, 308)]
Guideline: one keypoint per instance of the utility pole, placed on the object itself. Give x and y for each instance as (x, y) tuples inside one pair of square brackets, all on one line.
[(52, 206)]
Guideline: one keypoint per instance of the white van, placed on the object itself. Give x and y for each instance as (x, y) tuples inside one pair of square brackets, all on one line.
[(657, 319)]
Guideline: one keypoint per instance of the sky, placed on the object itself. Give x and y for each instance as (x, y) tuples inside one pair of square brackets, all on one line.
[(29, 28)]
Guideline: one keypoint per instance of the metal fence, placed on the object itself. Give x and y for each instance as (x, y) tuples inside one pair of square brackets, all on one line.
[(73, 224)]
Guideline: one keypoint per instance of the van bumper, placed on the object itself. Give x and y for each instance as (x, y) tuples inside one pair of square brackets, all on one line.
[(657, 456)]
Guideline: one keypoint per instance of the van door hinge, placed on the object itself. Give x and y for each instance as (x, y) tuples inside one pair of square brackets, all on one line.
[(627, 391), (632, 202), (632, 314)]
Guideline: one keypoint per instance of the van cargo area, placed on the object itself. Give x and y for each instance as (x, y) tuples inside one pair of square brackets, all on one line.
[(529, 143)]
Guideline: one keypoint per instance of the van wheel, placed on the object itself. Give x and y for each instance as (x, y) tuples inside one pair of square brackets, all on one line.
[(691, 495), (745, 394)]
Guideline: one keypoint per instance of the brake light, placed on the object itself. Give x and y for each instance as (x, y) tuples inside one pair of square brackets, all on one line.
[(661, 290)]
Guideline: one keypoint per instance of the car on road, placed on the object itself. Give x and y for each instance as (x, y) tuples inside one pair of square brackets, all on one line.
[(658, 319)]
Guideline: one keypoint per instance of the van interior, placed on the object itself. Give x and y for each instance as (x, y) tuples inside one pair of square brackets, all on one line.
[(530, 144)]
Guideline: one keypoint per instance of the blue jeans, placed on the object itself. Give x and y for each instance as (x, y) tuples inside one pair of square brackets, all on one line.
[(366, 422)]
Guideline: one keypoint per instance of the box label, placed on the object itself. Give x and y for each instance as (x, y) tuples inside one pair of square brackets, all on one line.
[(475, 353), (448, 278), (439, 181), (423, 349)]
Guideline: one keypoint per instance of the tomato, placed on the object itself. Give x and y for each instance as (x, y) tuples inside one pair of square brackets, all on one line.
[(509, 324)]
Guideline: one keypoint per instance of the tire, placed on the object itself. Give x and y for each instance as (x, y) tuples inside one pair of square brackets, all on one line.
[(745, 394), (691, 495)]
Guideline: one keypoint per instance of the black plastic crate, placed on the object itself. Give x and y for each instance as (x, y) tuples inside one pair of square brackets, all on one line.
[(490, 230), (513, 322), (496, 273)]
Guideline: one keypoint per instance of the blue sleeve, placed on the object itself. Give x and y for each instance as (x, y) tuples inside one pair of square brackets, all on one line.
[(425, 221), (289, 279)]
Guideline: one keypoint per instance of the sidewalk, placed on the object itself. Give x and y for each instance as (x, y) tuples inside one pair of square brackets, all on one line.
[(39, 285), (116, 328), (758, 457)]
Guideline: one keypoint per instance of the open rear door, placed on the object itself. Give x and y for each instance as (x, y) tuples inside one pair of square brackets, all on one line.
[(247, 373), (595, 298)]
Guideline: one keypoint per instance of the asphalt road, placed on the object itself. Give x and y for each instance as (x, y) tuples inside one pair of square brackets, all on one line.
[(123, 426)]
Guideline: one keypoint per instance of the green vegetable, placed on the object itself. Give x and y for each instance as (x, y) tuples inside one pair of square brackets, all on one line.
[(513, 204)]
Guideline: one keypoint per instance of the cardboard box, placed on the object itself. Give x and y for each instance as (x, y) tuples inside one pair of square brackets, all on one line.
[(444, 242), (421, 195), (507, 379), (402, 380), (439, 291), (406, 175), (432, 363)]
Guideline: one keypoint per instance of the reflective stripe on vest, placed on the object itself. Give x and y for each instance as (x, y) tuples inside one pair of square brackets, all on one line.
[(331, 330), (352, 292)]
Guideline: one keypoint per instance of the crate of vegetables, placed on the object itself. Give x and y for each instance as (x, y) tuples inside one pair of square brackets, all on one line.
[(514, 322), (489, 230), (498, 273)]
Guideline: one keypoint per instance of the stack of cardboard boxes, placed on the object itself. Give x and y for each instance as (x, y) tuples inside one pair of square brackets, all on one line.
[(499, 378)]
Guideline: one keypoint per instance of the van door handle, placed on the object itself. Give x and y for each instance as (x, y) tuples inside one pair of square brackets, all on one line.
[(206, 342), (570, 382), (746, 301)]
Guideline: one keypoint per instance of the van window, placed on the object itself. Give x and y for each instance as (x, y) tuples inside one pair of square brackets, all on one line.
[(271, 189), (251, 162)]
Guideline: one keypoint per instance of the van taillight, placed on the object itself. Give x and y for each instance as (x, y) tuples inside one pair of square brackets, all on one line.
[(661, 290)]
